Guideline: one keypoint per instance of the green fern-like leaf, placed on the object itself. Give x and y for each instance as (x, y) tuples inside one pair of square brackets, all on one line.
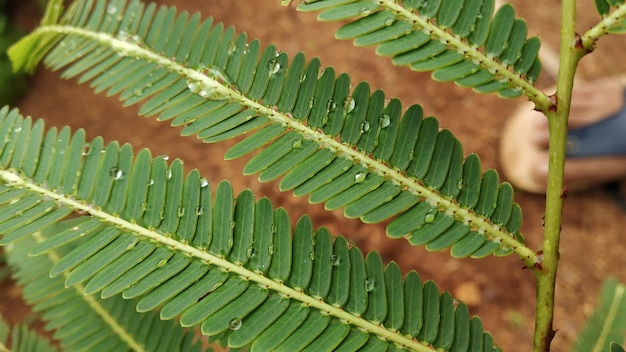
[(347, 149), (82, 322), (232, 265), (607, 326), (20, 338), (459, 40), (614, 21)]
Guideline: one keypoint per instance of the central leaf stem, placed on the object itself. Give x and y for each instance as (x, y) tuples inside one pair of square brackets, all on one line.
[(558, 114)]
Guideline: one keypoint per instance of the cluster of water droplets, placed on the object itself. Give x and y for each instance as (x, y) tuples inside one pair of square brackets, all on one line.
[(200, 89)]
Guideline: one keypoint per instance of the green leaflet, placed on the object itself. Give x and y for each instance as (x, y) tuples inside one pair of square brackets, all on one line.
[(384, 164), (22, 339), (604, 330), (84, 322), (250, 281), (405, 31)]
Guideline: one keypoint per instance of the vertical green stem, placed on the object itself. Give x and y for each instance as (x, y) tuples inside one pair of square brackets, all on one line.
[(545, 272)]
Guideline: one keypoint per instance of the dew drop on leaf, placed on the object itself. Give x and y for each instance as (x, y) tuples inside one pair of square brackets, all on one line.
[(204, 182), (389, 22), (384, 120), (17, 129), (364, 10), (232, 224), (165, 157), (199, 210), (180, 212), (235, 324), (111, 9), (116, 173), (359, 176), (150, 182), (334, 260), (365, 126), (273, 66), (302, 77), (349, 104), (429, 217), (162, 262), (86, 149), (369, 285), (168, 174), (331, 106)]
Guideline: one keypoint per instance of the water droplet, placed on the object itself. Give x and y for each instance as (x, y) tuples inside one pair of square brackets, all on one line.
[(312, 255), (270, 249), (193, 86), (302, 77), (199, 210), (138, 92), (384, 120), (86, 149), (297, 143), (359, 176), (273, 66), (235, 324), (349, 104), (17, 129), (459, 184), (144, 206), (369, 285), (429, 217), (389, 22), (364, 10), (273, 228), (232, 224), (232, 48), (165, 157), (189, 120), (311, 102), (111, 9), (116, 173), (331, 106), (365, 126), (131, 246), (334, 260), (150, 182), (168, 174), (250, 252), (204, 182), (18, 213), (162, 262), (180, 212), (204, 93)]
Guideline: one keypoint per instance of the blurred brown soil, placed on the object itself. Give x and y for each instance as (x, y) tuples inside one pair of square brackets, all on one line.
[(497, 289)]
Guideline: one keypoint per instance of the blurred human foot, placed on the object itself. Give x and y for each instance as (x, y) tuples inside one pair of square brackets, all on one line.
[(596, 152)]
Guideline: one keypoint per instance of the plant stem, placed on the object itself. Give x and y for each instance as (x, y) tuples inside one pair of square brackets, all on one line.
[(558, 114)]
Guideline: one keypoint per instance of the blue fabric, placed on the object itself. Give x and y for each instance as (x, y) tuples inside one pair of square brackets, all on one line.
[(603, 138)]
